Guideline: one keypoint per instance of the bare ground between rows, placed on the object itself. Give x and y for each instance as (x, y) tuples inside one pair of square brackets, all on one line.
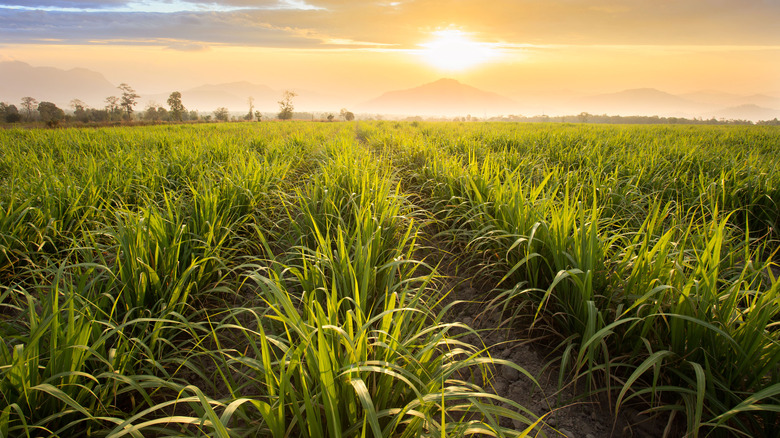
[(515, 341)]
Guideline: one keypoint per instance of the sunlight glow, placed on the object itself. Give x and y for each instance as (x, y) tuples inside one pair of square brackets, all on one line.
[(452, 50)]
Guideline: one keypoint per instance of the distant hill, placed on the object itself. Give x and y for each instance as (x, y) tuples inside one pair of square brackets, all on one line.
[(747, 112), (712, 97), (53, 84), (641, 101), (722, 100), (236, 88), (443, 97), (760, 100), (60, 86), (235, 97), (232, 95)]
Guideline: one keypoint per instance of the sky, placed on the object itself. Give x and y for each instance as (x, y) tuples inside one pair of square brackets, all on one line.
[(359, 49)]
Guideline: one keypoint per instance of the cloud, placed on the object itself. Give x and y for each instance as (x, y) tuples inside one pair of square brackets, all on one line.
[(188, 29), (156, 5), (188, 47), (65, 4), (262, 4), (398, 24)]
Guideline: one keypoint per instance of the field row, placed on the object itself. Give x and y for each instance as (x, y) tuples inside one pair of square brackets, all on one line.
[(268, 279)]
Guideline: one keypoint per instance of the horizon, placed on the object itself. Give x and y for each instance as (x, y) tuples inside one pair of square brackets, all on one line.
[(352, 53), (438, 100)]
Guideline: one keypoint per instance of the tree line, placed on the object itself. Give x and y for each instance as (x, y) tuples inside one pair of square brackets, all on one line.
[(122, 108), (117, 108), (585, 117)]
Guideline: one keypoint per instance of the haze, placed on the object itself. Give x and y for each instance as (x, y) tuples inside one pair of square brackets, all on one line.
[(348, 52)]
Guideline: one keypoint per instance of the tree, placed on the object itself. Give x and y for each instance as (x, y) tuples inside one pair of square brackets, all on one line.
[(77, 104), (330, 117), (222, 114), (177, 108), (98, 115), (50, 113), (9, 113), (347, 115), (112, 106), (129, 98), (258, 116), (150, 113), (29, 105), (286, 105), (155, 112), (79, 110), (251, 113)]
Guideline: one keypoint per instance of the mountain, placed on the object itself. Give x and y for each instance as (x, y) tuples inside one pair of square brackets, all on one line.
[(712, 97), (719, 99), (759, 100), (232, 95), (641, 101), (747, 112), (53, 84), (236, 88), (60, 86), (235, 97), (443, 97)]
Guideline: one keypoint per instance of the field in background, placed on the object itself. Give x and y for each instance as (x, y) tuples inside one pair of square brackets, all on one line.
[(268, 278)]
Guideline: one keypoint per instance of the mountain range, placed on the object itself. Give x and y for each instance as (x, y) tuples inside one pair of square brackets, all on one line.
[(232, 95), (53, 84), (649, 101), (451, 98), (444, 97), (62, 86)]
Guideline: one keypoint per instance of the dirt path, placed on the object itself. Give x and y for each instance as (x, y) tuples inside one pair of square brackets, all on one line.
[(584, 419)]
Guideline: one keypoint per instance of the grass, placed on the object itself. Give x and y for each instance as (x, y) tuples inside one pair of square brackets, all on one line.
[(266, 279), (654, 279)]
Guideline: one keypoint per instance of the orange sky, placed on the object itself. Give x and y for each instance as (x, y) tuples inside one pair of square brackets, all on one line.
[(358, 49)]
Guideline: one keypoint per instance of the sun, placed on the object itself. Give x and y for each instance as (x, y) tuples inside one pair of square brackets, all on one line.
[(452, 50)]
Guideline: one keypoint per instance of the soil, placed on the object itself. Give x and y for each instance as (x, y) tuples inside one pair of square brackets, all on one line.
[(583, 418)]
